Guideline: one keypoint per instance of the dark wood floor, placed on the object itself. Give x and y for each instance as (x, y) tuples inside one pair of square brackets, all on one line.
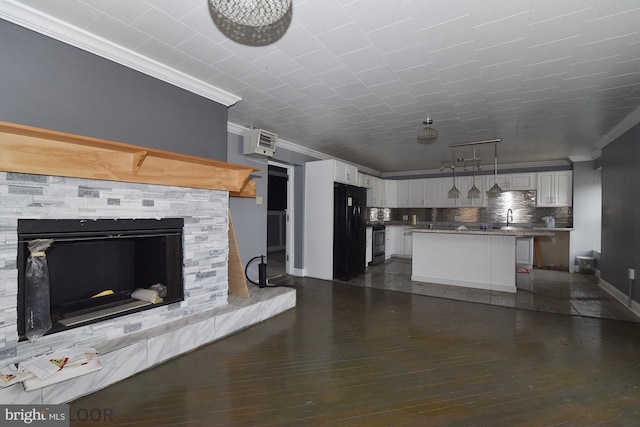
[(357, 356)]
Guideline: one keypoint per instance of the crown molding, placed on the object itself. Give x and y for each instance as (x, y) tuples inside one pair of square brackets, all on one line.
[(287, 145), (627, 123), (52, 27), (581, 158)]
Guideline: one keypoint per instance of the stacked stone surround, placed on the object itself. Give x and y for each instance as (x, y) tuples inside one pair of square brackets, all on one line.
[(205, 244)]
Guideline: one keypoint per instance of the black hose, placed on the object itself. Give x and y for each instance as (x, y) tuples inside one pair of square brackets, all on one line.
[(246, 274)]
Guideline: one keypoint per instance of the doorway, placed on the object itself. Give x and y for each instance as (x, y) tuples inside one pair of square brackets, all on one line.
[(279, 220)]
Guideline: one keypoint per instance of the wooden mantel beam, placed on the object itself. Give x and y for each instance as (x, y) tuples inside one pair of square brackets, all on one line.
[(27, 149)]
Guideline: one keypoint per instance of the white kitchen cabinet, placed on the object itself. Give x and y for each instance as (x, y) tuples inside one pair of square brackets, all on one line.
[(395, 243), (524, 252), (375, 194), (390, 193), (555, 188), (432, 192), (408, 243), (389, 241), (416, 193), (345, 173), (403, 193), (513, 181), (365, 180), (522, 181)]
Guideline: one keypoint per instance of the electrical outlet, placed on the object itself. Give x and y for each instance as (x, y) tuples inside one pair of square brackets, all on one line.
[(258, 200), (632, 274)]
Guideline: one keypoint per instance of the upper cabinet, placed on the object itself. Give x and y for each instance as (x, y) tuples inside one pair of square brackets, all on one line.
[(375, 193), (431, 195), (365, 180), (555, 188), (416, 192), (513, 181), (390, 199), (402, 193), (345, 173)]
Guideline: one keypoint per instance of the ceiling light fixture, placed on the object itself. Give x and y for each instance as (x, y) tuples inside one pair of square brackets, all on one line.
[(254, 22), (496, 188), (454, 193), (488, 141), (474, 193), (427, 135)]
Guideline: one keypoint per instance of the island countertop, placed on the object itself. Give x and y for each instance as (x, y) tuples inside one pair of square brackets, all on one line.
[(517, 232)]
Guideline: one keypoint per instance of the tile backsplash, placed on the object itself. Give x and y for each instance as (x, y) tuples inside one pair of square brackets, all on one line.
[(522, 203)]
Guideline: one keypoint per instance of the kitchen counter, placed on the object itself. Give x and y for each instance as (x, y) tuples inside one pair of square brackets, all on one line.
[(517, 232)]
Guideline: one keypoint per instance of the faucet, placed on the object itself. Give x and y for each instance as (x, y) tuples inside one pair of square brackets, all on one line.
[(509, 214)]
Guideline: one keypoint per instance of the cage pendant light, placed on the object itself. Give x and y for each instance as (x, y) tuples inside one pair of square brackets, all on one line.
[(496, 188), (254, 22), (474, 193)]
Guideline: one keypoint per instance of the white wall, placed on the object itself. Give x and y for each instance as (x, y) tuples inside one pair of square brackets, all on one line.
[(586, 208)]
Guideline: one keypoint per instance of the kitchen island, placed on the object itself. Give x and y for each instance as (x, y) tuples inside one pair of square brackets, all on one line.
[(468, 258)]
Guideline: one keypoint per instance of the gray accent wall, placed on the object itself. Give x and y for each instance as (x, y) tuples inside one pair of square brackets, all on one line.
[(620, 163), (52, 85)]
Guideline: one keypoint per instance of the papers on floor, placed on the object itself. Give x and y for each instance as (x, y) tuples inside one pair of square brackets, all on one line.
[(51, 368)]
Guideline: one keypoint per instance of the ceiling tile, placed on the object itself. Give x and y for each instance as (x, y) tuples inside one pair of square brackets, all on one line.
[(126, 11), (179, 9), (160, 52), (298, 41), (200, 48), (163, 27), (385, 13), (318, 61), (345, 39), (362, 60), (71, 11), (321, 16), (118, 32)]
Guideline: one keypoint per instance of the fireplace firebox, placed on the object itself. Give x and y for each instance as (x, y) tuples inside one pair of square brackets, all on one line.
[(95, 266)]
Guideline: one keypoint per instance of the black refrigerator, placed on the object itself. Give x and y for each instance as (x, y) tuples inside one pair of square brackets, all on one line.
[(349, 231)]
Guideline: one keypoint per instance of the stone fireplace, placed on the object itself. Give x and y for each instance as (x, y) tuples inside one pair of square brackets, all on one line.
[(204, 246)]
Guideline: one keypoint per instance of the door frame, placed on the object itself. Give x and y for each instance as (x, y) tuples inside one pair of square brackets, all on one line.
[(289, 217)]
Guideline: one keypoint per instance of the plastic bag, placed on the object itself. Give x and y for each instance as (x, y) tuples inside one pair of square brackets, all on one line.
[(160, 289), (37, 312)]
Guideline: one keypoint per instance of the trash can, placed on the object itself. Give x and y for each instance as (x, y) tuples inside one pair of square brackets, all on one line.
[(585, 264)]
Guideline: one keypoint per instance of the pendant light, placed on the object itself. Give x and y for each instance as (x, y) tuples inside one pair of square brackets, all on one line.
[(454, 193), (427, 135), (252, 23), (496, 188), (474, 193)]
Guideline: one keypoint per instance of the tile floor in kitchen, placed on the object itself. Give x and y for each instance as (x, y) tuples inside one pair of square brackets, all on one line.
[(541, 290)]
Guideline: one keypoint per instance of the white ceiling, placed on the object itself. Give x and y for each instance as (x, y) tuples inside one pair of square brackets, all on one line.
[(354, 79)]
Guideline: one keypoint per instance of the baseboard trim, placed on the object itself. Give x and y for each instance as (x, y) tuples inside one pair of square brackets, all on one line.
[(621, 297)]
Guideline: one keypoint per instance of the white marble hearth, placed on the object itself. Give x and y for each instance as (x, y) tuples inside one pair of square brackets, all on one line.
[(126, 356)]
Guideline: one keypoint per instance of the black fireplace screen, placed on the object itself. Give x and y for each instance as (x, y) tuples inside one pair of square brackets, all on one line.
[(95, 266)]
